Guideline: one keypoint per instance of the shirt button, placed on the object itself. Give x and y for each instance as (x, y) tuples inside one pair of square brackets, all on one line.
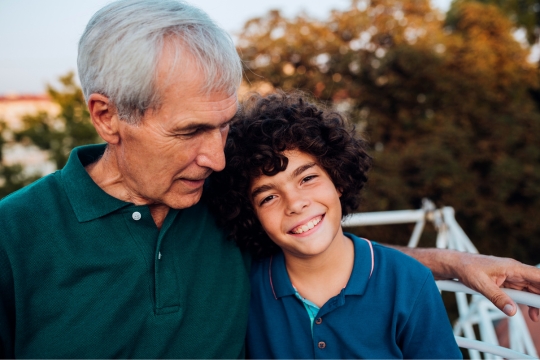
[(136, 216), (322, 344), (318, 321)]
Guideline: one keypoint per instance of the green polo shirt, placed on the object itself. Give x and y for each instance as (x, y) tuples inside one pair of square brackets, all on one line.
[(85, 275)]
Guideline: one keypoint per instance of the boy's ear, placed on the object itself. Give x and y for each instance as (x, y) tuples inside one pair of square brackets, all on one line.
[(104, 117), (339, 191)]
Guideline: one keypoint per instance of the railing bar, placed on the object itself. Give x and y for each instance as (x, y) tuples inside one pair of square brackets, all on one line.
[(384, 218), (521, 297), (490, 348)]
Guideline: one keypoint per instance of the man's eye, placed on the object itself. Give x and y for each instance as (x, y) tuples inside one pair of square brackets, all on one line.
[(191, 133), (266, 199), (225, 126)]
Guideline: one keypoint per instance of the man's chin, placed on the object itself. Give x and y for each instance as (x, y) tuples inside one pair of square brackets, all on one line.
[(183, 201)]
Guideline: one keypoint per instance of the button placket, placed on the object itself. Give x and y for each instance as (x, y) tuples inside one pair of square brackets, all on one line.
[(167, 289)]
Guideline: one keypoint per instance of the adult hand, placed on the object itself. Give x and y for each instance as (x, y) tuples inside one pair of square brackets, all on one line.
[(487, 274), (482, 273)]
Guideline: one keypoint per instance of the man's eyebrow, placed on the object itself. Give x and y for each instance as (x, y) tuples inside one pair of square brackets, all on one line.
[(261, 189), (302, 168)]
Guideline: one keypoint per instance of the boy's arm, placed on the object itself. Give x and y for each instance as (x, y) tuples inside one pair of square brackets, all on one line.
[(482, 273), (427, 332)]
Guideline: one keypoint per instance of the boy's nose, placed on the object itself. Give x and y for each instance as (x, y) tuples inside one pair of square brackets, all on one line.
[(296, 204)]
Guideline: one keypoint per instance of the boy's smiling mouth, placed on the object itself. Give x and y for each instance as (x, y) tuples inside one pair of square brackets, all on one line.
[(307, 226)]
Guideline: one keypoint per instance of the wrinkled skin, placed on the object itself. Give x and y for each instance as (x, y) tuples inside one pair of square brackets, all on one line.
[(482, 273)]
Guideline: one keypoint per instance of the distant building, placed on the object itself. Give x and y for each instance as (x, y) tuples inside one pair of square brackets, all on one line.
[(12, 109)]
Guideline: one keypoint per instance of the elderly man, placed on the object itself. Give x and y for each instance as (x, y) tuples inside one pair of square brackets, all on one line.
[(114, 255)]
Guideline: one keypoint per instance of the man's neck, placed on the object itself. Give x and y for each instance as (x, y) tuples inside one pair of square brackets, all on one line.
[(322, 277), (106, 175)]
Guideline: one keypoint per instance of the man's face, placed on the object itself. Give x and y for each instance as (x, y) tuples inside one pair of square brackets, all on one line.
[(166, 158)]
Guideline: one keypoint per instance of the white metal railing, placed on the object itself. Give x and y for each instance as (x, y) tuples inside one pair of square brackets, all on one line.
[(473, 311), (484, 347), (520, 297)]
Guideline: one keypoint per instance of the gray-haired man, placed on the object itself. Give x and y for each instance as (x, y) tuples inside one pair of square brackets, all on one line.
[(114, 255)]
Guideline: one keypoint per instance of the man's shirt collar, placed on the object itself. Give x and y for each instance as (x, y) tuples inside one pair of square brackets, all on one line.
[(87, 199)]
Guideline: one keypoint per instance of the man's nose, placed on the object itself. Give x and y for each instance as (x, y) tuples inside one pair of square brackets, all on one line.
[(211, 153)]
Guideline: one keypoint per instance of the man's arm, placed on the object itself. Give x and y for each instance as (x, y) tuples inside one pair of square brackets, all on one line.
[(7, 308), (482, 273)]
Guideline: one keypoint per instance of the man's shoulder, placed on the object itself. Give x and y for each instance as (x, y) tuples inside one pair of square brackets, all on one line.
[(32, 197), (40, 190)]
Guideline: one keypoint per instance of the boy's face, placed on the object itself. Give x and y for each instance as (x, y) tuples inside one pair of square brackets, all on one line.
[(299, 208)]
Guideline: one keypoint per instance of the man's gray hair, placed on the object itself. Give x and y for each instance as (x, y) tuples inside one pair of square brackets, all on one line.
[(120, 49)]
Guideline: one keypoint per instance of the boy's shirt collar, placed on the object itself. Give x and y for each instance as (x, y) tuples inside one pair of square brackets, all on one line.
[(362, 270)]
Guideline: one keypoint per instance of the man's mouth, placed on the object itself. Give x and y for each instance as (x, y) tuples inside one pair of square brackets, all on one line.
[(307, 226), (196, 183)]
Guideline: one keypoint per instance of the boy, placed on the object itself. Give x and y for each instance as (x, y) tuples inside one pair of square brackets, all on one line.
[(293, 171)]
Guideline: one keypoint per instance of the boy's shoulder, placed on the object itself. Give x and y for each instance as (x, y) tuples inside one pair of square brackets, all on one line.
[(260, 267), (396, 259), (393, 265)]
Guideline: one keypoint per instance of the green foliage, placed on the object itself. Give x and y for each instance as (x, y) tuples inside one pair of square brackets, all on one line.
[(12, 177), (523, 13), (449, 113), (55, 134), (58, 135)]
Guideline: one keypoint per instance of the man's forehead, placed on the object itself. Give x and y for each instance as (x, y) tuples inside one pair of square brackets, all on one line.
[(214, 108), (179, 69), (208, 102)]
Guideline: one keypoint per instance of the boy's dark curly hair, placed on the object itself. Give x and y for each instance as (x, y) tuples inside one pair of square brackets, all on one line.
[(263, 129)]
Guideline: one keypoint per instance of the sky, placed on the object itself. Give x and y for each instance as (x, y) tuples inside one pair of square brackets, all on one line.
[(38, 39)]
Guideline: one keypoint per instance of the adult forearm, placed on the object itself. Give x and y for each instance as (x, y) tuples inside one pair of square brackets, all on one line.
[(483, 273), (441, 262)]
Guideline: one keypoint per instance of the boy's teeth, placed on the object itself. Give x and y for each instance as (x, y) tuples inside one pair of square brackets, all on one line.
[(310, 225)]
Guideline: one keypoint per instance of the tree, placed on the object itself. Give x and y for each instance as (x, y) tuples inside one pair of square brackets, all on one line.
[(58, 135), (523, 13), (12, 177), (449, 111)]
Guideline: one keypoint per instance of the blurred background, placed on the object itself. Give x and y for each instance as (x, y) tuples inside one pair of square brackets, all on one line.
[(446, 92)]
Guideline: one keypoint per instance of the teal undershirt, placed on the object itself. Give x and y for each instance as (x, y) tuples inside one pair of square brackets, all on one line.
[(311, 308)]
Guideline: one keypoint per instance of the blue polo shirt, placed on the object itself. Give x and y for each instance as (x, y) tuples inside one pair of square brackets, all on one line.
[(390, 308)]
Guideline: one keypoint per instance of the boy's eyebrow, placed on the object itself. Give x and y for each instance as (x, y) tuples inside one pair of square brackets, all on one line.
[(301, 169), (294, 174), (261, 189)]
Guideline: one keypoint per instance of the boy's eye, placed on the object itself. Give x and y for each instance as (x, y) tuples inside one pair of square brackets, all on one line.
[(266, 199), (308, 178)]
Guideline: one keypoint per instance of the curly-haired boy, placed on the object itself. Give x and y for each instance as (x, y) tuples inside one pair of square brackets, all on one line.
[(293, 171)]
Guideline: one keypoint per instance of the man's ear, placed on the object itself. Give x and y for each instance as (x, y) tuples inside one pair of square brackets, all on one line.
[(104, 117)]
